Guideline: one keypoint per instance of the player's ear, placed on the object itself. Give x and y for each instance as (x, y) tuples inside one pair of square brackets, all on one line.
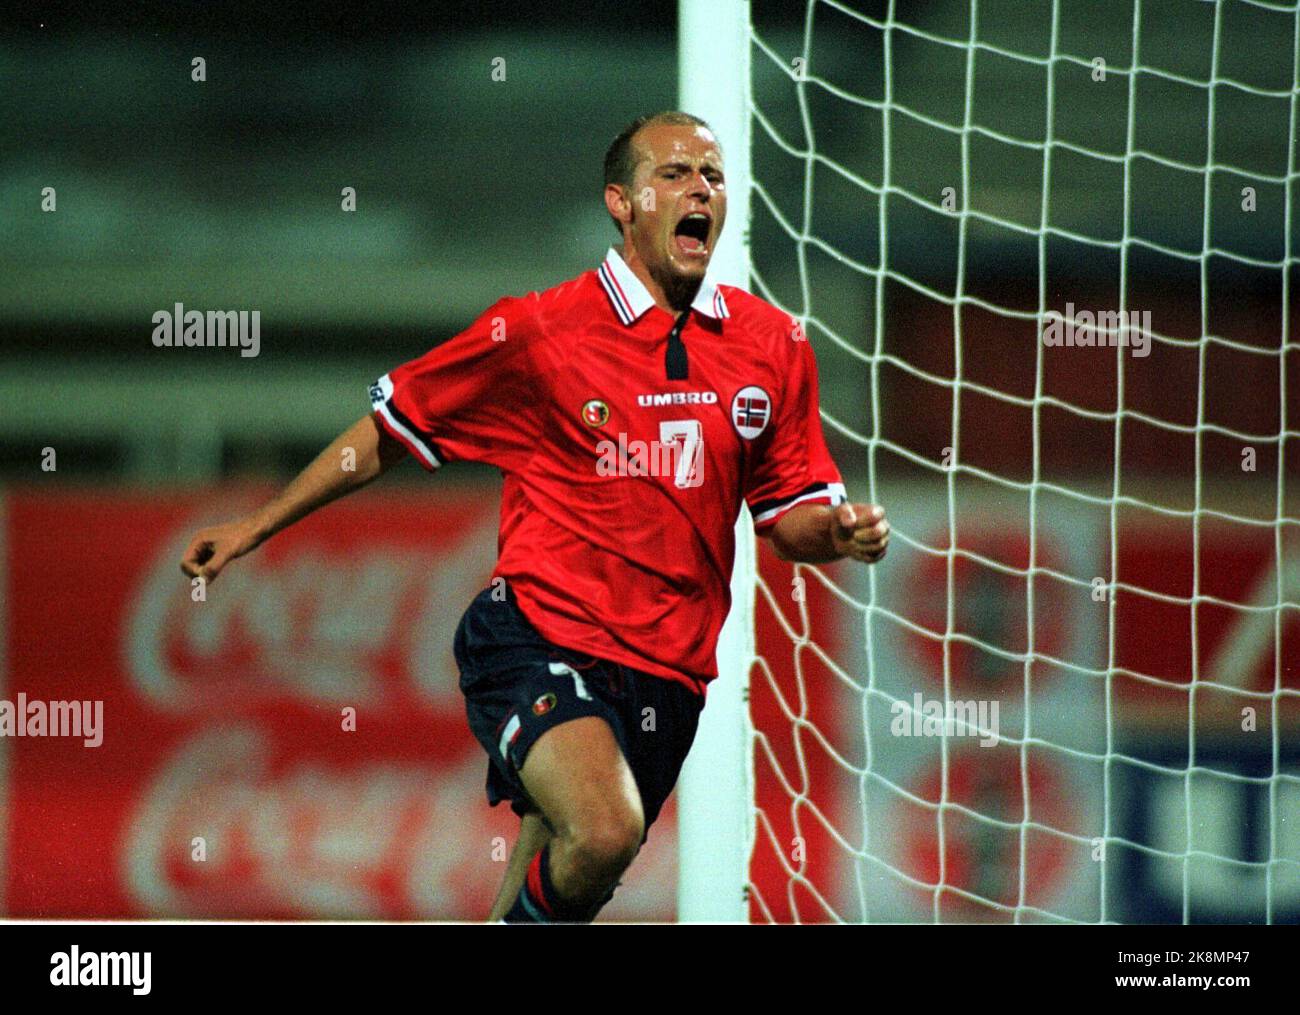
[(616, 200)]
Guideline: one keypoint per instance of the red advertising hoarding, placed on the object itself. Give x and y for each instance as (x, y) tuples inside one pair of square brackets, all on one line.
[(293, 746)]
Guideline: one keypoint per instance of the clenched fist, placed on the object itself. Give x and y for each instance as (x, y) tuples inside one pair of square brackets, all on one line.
[(860, 531), (213, 548)]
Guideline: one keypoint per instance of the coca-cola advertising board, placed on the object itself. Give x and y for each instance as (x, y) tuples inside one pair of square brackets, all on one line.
[(291, 745)]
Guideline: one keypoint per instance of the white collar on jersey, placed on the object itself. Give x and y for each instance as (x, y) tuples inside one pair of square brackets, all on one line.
[(630, 298)]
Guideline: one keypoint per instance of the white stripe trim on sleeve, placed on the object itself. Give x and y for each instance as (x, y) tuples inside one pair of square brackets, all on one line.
[(833, 491), (381, 395)]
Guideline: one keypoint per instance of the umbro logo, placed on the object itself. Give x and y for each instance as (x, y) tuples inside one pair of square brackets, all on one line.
[(678, 398)]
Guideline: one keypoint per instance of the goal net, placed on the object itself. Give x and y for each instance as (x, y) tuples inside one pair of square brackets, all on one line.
[(1044, 254)]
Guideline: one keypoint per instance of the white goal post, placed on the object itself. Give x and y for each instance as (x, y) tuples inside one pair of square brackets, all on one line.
[(714, 795)]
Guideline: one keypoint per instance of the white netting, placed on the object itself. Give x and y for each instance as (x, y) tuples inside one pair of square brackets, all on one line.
[(1100, 542)]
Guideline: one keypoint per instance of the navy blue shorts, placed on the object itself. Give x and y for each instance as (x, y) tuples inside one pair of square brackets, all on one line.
[(517, 685)]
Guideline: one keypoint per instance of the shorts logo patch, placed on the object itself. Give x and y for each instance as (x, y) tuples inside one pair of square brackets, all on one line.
[(750, 411), (544, 704), (595, 413)]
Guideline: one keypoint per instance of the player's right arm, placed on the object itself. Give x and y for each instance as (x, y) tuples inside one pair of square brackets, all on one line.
[(464, 400), (364, 445)]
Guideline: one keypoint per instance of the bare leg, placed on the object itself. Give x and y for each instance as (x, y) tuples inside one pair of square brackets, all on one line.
[(577, 775), (533, 836)]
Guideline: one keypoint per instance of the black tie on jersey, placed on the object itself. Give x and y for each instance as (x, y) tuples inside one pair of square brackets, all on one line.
[(675, 358)]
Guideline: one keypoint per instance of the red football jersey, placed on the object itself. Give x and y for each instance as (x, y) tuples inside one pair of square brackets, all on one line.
[(622, 487)]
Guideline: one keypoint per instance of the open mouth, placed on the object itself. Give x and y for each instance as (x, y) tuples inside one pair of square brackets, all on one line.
[(692, 234)]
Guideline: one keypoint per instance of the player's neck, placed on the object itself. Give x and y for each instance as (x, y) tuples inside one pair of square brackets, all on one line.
[(671, 293)]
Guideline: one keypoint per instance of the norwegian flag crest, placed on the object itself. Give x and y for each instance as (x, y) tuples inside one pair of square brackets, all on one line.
[(751, 410)]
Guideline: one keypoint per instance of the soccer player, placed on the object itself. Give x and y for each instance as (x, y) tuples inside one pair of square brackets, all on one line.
[(630, 410)]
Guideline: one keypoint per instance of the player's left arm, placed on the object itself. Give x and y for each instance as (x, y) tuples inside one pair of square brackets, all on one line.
[(819, 534), (796, 492)]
